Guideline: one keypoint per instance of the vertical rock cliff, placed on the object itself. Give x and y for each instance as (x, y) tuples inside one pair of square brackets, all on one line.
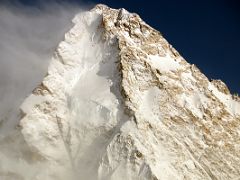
[(120, 103)]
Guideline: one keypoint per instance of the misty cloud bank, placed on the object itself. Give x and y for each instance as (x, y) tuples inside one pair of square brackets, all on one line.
[(28, 37)]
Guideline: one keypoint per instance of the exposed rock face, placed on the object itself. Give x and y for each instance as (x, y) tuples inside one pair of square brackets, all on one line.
[(120, 103)]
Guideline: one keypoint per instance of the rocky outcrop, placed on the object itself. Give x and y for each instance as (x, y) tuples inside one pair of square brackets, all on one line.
[(119, 102)]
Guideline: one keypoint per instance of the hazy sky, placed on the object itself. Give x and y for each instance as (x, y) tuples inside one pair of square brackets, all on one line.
[(205, 32)]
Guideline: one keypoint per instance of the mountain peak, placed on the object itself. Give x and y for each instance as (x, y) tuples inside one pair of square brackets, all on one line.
[(119, 102)]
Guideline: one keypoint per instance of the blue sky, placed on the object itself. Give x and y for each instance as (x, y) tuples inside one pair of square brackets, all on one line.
[(206, 32)]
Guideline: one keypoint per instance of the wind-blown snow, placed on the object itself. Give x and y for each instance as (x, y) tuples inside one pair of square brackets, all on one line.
[(82, 95)]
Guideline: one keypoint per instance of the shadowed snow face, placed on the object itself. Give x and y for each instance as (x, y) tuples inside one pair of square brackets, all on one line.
[(28, 37), (94, 105)]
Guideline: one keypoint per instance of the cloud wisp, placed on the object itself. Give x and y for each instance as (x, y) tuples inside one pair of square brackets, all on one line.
[(28, 38)]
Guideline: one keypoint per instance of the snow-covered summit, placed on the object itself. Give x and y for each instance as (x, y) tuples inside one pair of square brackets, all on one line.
[(120, 103)]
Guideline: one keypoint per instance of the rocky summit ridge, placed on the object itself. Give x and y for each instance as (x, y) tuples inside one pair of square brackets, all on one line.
[(120, 103)]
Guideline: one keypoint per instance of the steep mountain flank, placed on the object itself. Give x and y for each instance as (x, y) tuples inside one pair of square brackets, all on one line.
[(120, 103)]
